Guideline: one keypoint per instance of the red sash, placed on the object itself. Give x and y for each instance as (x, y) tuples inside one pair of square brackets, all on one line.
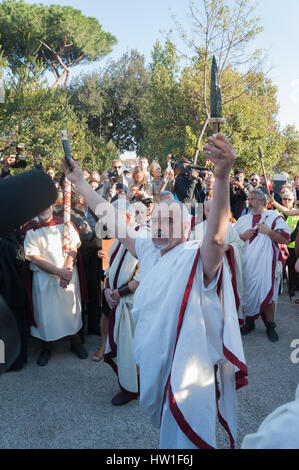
[(34, 225)]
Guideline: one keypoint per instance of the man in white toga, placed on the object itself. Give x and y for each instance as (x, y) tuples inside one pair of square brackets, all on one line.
[(262, 231), (187, 342), (56, 296)]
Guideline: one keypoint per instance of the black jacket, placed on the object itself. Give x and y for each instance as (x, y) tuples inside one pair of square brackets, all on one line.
[(188, 190)]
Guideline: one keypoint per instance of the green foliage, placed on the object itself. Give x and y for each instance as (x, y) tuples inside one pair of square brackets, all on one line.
[(112, 101), (126, 106), (34, 114), (175, 112), (58, 36), (289, 160), (163, 119)]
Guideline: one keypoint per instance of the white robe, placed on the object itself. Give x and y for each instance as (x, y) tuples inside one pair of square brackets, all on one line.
[(236, 247), (280, 430), (119, 348), (57, 311), (261, 269), (207, 337)]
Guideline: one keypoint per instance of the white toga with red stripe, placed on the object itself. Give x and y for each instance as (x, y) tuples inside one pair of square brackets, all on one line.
[(177, 381), (232, 260), (261, 269)]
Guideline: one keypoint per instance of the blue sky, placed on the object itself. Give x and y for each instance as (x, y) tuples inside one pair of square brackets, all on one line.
[(138, 24)]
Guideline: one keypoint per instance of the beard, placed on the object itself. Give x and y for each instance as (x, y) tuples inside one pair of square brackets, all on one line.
[(160, 242)]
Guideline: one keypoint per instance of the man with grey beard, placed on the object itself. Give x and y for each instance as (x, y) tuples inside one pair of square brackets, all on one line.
[(187, 342), (262, 231)]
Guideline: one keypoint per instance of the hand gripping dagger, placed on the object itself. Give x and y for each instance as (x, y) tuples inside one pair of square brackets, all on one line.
[(215, 99), (67, 197)]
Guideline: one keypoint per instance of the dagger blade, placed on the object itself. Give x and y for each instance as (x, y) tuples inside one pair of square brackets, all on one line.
[(215, 92)]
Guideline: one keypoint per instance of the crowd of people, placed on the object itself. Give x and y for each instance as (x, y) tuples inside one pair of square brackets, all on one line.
[(118, 279)]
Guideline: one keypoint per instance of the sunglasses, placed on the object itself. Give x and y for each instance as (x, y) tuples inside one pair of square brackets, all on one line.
[(117, 167), (286, 199)]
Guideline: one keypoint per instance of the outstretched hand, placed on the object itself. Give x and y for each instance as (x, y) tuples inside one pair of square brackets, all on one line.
[(73, 176), (221, 152)]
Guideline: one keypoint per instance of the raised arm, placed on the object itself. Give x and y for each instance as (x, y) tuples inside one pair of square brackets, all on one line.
[(103, 209), (283, 209), (223, 155)]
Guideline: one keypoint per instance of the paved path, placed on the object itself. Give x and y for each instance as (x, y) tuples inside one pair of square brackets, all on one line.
[(66, 405)]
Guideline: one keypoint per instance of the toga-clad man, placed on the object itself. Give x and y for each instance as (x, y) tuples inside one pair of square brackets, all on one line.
[(55, 285), (187, 342)]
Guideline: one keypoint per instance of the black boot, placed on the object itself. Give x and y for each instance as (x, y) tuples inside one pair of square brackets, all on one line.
[(77, 347), (248, 327), (45, 353), (271, 333), (121, 399), (43, 357)]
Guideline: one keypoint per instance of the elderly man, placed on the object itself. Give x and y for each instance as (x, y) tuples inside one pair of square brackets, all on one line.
[(262, 231), (56, 296), (187, 342)]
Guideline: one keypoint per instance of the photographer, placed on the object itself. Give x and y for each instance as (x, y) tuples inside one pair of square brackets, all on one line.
[(239, 191), (188, 183), (19, 162), (115, 177)]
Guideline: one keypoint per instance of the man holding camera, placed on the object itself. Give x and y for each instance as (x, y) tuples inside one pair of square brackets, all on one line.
[(115, 180), (19, 162), (239, 191), (188, 184)]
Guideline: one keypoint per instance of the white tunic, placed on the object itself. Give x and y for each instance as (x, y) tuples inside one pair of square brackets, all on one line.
[(209, 336), (234, 241), (261, 269), (280, 430), (57, 311), (123, 330)]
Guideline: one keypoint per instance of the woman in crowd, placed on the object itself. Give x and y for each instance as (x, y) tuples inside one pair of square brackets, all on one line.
[(139, 187), (158, 182), (292, 221)]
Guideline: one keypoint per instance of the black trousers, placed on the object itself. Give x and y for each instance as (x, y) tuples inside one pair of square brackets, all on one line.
[(293, 275), (93, 273), (74, 339)]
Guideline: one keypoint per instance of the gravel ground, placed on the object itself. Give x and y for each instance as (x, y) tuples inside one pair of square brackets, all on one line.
[(66, 405)]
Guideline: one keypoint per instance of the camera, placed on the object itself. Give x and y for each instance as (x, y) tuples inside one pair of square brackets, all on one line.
[(189, 168), (113, 175), (237, 178), (20, 162)]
